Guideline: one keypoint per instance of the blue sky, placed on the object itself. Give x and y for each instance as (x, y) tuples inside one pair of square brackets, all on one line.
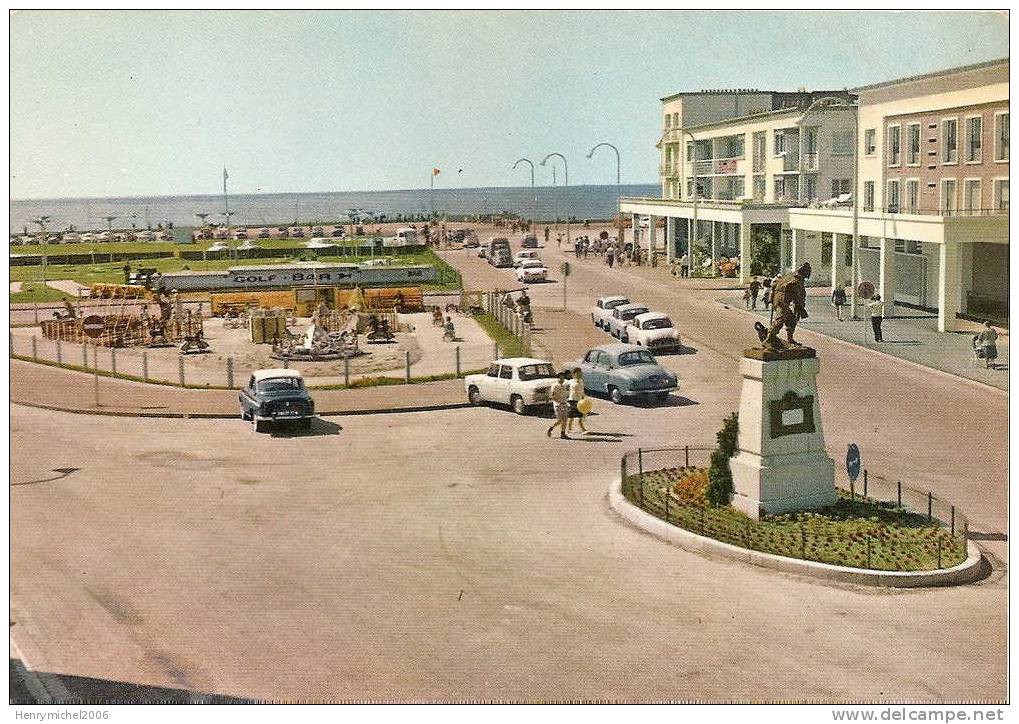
[(147, 103)]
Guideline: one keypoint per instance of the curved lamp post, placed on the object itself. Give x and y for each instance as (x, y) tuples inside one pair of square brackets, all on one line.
[(590, 154), (566, 183), (534, 198), (42, 221)]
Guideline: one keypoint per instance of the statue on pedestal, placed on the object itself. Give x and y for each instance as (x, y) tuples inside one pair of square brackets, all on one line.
[(789, 301)]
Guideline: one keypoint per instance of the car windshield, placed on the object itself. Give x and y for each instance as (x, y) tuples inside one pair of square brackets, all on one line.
[(631, 313), (637, 357), (281, 384), (533, 263), (536, 372), (616, 303), (661, 323)]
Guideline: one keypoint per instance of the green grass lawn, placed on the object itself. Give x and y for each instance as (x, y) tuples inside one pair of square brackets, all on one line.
[(38, 292), (509, 345), (862, 533)]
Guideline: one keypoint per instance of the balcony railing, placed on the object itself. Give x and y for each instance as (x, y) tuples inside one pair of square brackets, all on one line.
[(809, 162), (670, 169)]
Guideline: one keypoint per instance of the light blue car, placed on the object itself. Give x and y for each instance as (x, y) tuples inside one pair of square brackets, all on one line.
[(625, 371)]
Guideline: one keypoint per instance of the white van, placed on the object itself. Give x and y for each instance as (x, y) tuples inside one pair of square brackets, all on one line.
[(404, 237)]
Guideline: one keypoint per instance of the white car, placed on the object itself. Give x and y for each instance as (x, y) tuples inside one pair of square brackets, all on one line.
[(219, 246), (87, 237), (104, 236), (520, 382), (655, 331), (146, 236), (602, 310), (621, 317), (524, 255), (247, 246), (319, 243), (532, 270)]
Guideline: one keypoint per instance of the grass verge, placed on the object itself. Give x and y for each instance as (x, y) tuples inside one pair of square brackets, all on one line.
[(509, 344)]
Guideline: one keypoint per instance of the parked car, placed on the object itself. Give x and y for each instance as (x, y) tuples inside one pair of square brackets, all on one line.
[(104, 236), (339, 233), (264, 234), (219, 246), (602, 310), (621, 317), (499, 254), (240, 233), (483, 250), (523, 255), (222, 233), (297, 232), (520, 382), (148, 235), (318, 231), (653, 330), (471, 240), (87, 238), (247, 245), (625, 371), (532, 270), (530, 242), (276, 395)]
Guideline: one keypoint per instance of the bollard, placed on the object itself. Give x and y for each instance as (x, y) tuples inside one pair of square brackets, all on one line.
[(346, 371), (60, 357), (34, 356), (458, 361), (865, 482), (930, 505), (230, 372), (180, 369), (407, 360), (939, 551), (868, 551), (145, 365), (113, 360), (35, 308), (953, 520), (899, 486), (686, 456)]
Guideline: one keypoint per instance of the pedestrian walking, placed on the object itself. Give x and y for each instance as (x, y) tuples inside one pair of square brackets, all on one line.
[(753, 290), (838, 299), (559, 393), (684, 266), (576, 394), (546, 236), (610, 255), (987, 343), (877, 312), (576, 248)]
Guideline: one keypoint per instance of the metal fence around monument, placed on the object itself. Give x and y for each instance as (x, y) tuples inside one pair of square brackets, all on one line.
[(649, 476)]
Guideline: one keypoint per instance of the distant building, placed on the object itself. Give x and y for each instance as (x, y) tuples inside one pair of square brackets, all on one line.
[(933, 195)]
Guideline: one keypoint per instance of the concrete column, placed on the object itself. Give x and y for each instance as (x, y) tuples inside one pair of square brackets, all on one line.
[(714, 242), (670, 238), (634, 228), (796, 256), (744, 252), (652, 236), (886, 275), (949, 285), (838, 260)]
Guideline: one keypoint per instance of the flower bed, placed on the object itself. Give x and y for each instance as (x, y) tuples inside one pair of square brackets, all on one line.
[(855, 531)]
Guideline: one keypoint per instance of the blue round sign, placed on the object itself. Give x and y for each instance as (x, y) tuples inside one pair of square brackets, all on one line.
[(853, 461)]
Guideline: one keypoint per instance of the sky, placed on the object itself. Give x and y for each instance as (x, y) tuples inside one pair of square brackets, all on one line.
[(118, 103)]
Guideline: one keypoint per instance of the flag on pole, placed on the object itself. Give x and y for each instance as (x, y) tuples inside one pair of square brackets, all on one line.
[(436, 172)]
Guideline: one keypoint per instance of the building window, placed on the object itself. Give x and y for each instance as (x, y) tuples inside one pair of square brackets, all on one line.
[(668, 121), (948, 196), (1001, 137), (894, 146), (810, 141), (780, 189), (779, 143), (839, 186), (868, 195), (842, 143), (912, 196), (971, 194), (950, 140), (913, 144), (809, 188), (974, 133), (759, 188), (870, 142), (1001, 194), (893, 196)]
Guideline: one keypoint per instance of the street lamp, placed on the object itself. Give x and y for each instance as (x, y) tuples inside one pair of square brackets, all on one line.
[(109, 221), (534, 197), (616, 214), (566, 183), (42, 221)]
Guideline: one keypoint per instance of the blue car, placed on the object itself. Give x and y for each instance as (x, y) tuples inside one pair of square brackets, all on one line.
[(625, 371)]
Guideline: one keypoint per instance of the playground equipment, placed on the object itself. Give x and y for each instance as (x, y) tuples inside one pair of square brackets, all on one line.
[(331, 335)]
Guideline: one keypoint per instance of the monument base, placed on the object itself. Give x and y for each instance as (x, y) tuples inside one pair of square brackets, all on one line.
[(782, 483)]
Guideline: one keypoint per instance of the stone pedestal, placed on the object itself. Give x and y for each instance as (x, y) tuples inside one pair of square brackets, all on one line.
[(781, 465)]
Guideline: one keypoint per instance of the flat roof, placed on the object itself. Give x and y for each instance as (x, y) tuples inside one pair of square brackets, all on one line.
[(932, 74)]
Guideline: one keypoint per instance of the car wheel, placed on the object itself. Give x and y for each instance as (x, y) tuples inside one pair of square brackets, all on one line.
[(474, 396), (518, 405), (615, 395)]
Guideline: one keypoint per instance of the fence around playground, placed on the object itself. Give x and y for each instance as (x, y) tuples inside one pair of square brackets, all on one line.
[(648, 475)]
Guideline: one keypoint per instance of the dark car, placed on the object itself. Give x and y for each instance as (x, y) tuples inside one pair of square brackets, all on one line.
[(276, 395), (530, 242), (625, 371)]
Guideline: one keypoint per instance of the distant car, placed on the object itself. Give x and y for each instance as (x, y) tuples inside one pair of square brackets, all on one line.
[(318, 231), (276, 395), (264, 234), (530, 242), (523, 255), (219, 246), (318, 243), (85, 238), (483, 250), (532, 270), (520, 382), (247, 246), (621, 317), (339, 233), (471, 241), (71, 238), (297, 232), (240, 233), (625, 371), (146, 236), (602, 310), (104, 236), (655, 331), (222, 233)]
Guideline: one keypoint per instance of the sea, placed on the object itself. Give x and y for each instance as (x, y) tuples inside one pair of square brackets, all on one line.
[(545, 203)]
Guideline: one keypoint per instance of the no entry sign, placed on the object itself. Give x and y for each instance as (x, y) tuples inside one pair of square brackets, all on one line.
[(865, 290), (93, 325), (853, 461)]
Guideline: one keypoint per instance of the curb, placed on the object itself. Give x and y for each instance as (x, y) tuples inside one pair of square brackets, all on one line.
[(972, 569), (234, 416), (45, 688), (885, 355)]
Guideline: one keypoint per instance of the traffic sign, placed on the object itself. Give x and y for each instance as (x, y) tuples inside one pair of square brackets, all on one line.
[(93, 326), (565, 268), (865, 290), (853, 462)]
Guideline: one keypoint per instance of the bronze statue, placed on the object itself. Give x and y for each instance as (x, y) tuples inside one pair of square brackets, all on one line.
[(789, 300)]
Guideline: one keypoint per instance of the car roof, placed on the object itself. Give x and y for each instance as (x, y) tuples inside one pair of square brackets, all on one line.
[(617, 348), (614, 296), (533, 262), (274, 373), (625, 307), (648, 316), (518, 361)]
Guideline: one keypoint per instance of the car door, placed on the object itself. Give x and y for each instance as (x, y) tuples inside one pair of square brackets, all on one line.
[(488, 386), (594, 374), (505, 384), (247, 396)]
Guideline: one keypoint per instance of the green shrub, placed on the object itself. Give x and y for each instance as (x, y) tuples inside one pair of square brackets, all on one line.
[(719, 475)]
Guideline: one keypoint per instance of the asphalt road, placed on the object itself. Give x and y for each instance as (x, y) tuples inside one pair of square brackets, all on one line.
[(463, 555)]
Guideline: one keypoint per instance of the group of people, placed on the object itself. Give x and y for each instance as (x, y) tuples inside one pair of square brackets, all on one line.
[(612, 250), (569, 403)]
